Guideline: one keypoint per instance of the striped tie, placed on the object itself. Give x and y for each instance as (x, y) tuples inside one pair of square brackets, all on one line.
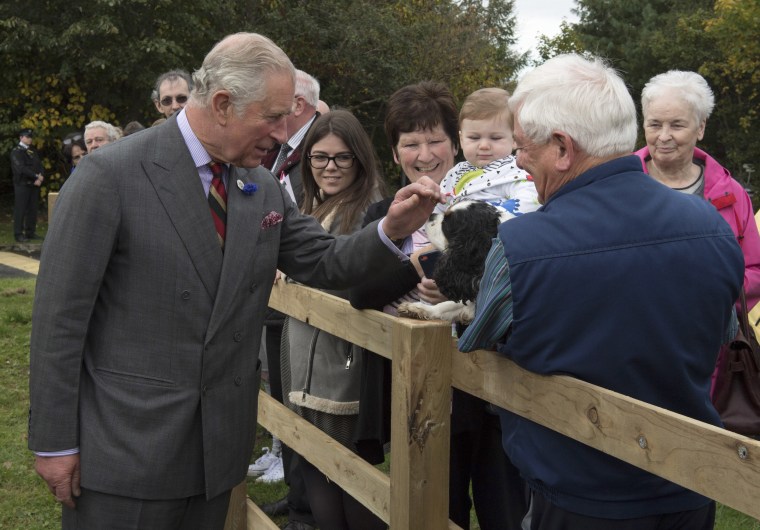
[(217, 201), (281, 157)]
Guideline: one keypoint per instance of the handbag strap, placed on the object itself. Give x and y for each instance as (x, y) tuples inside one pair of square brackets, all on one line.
[(744, 318)]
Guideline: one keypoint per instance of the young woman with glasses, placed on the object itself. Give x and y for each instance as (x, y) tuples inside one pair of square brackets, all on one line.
[(322, 373)]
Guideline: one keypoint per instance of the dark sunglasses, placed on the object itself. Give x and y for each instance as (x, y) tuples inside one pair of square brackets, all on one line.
[(167, 100), (73, 139)]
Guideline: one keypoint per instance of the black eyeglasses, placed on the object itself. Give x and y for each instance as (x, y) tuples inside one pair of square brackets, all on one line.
[(343, 161), (167, 100), (73, 139)]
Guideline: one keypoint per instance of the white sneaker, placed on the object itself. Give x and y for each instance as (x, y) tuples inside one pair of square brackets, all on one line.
[(263, 463), (275, 473)]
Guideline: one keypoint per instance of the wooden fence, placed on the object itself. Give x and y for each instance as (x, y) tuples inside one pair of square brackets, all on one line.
[(716, 463)]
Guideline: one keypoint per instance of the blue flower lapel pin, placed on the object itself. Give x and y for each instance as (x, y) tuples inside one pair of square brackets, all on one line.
[(249, 188)]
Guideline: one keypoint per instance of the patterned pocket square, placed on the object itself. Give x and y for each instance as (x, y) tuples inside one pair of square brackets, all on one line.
[(271, 219)]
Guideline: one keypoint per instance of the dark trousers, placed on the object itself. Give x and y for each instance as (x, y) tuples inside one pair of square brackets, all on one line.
[(26, 199), (298, 502), (334, 509), (477, 456), (95, 510), (546, 516)]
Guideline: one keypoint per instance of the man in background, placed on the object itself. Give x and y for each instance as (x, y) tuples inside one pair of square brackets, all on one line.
[(171, 91), (99, 133), (28, 175), (285, 164)]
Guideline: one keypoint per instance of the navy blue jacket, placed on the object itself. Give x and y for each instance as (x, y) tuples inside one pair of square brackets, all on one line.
[(619, 281)]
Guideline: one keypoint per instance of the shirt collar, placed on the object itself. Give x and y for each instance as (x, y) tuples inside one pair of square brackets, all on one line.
[(200, 156)]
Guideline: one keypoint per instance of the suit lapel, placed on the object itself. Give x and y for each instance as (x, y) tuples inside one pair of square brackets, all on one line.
[(175, 179)]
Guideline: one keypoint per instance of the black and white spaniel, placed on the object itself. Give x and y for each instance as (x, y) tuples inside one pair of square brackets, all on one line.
[(463, 234)]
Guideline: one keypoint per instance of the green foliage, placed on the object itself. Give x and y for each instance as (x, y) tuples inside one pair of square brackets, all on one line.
[(733, 30), (24, 499), (567, 41)]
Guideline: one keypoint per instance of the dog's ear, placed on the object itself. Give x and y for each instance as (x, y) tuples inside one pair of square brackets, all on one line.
[(452, 275)]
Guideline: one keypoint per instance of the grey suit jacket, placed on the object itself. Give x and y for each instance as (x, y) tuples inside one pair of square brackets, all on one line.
[(145, 336)]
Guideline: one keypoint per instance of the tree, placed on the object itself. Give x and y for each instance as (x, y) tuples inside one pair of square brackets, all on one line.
[(734, 30), (567, 41)]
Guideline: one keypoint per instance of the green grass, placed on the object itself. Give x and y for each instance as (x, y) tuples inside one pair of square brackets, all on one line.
[(24, 499)]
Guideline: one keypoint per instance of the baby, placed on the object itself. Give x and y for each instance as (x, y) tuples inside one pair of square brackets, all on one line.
[(490, 172)]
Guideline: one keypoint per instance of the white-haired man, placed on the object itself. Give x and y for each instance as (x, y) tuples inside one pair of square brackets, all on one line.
[(99, 133), (285, 163), (285, 160), (602, 283), (151, 297)]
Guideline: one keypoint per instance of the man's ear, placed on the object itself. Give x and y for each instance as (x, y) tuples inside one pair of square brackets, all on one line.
[(157, 103), (565, 149), (299, 105), (221, 106)]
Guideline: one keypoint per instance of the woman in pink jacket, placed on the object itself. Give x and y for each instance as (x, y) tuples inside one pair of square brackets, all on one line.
[(676, 106)]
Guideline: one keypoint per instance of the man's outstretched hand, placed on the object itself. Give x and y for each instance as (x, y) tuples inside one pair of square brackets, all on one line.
[(411, 207)]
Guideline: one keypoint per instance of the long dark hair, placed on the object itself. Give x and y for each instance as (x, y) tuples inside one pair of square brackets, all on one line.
[(363, 191)]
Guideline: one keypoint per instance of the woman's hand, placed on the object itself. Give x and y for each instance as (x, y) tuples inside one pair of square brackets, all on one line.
[(429, 292)]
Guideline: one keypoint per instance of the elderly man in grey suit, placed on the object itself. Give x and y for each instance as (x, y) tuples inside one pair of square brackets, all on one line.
[(149, 307)]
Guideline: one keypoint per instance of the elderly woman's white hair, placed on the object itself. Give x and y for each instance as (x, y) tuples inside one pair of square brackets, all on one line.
[(585, 98), (112, 132), (241, 64), (688, 86)]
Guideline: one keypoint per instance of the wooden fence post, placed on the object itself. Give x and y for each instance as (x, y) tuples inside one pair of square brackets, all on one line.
[(420, 404)]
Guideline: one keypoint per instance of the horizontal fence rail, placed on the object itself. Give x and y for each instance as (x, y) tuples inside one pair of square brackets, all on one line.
[(712, 461)]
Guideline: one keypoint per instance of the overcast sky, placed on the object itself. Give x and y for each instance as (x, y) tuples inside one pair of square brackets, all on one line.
[(540, 17)]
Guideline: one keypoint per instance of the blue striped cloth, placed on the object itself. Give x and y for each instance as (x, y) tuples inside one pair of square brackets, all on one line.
[(493, 308)]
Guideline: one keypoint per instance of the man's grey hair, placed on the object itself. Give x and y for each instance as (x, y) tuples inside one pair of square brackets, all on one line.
[(585, 98), (111, 131), (308, 87), (172, 76), (241, 64), (690, 87)]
